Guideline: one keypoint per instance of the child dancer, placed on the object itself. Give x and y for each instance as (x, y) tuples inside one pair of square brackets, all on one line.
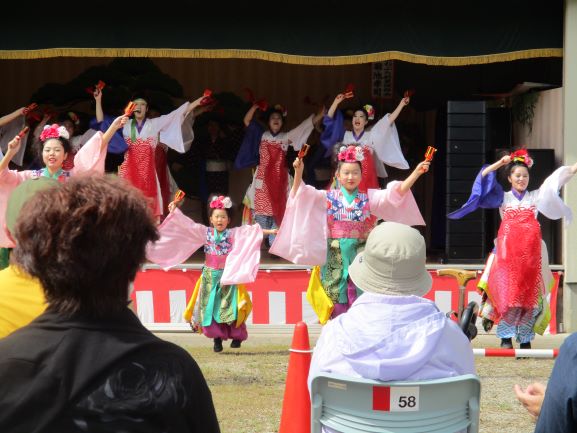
[(381, 139), (266, 196), (347, 215), (219, 304), (517, 277)]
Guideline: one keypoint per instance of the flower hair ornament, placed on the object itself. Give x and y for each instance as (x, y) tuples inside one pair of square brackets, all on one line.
[(523, 157), (282, 110), (370, 111), (54, 131), (220, 202), (350, 154)]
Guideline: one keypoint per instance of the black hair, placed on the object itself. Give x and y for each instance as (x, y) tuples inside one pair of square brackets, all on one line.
[(229, 211), (363, 110), (336, 150), (66, 116), (143, 94), (64, 141), (67, 238), (340, 164), (273, 110), (516, 164)]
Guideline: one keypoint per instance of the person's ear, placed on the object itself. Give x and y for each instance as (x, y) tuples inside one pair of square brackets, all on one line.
[(9, 235)]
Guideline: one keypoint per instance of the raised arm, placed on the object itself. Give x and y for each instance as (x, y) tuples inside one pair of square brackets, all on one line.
[(250, 114), (118, 123), (299, 166), (574, 168), (393, 116), (338, 99), (420, 169), (496, 165), (13, 148), (194, 104), (40, 127), (10, 117), (319, 116), (98, 109)]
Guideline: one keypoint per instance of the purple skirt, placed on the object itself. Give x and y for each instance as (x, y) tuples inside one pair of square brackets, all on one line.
[(224, 331)]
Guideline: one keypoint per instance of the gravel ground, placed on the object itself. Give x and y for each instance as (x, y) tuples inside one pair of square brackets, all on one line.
[(248, 384)]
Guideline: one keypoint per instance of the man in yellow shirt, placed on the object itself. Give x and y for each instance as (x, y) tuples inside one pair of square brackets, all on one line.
[(21, 296)]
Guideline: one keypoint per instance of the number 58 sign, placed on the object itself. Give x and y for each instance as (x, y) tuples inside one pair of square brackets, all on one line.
[(396, 398)]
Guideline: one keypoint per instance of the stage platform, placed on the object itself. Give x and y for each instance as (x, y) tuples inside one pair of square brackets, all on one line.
[(279, 293)]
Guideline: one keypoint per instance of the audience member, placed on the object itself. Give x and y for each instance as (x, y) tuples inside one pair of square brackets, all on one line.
[(21, 296), (555, 407), (391, 332), (87, 363)]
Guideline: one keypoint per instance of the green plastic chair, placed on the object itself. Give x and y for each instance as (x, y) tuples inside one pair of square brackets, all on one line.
[(356, 405)]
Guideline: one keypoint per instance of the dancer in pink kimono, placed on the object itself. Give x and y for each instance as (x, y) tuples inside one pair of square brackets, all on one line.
[(325, 229), (55, 147), (142, 135), (220, 303)]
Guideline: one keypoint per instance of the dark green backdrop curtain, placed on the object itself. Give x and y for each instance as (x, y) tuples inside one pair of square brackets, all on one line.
[(435, 33)]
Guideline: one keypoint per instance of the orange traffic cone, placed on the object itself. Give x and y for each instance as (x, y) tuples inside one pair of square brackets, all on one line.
[(296, 407)]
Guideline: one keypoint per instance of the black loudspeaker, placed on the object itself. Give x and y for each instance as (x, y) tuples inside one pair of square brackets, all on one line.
[(467, 144), (544, 165), (499, 128)]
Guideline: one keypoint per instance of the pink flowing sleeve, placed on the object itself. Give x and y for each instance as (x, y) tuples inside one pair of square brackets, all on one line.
[(302, 235), (242, 262), (9, 179), (179, 238), (90, 158), (390, 205)]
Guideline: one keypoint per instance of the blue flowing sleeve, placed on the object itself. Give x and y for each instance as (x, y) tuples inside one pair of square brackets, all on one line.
[(487, 193), (334, 130), (248, 153), (117, 143)]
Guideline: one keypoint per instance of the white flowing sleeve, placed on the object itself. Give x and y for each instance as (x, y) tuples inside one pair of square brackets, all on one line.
[(302, 235), (385, 141), (188, 131), (8, 132), (390, 205), (548, 201), (299, 135), (170, 127), (179, 238), (79, 140)]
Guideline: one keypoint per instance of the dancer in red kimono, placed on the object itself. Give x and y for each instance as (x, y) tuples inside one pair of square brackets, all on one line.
[(142, 136)]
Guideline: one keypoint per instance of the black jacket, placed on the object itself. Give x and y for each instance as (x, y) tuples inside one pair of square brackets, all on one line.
[(108, 375)]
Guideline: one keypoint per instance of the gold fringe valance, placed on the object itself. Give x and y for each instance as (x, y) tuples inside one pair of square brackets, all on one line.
[(279, 57)]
